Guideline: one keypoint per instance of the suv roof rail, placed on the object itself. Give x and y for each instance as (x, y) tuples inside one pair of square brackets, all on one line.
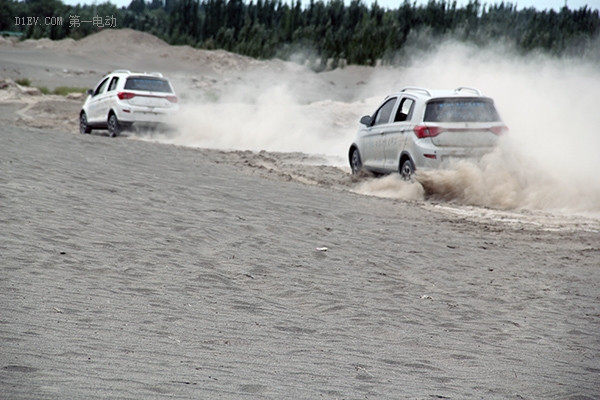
[(416, 89), (461, 88), (155, 74), (121, 71)]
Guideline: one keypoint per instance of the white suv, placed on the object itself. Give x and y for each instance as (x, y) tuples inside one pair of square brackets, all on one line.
[(418, 128), (123, 99)]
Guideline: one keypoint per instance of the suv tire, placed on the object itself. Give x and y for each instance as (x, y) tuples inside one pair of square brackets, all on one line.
[(83, 124), (114, 128), (355, 162), (407, 169)]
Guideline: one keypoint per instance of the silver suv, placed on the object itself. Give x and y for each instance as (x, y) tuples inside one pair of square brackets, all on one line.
[(124, 99), (418, 128)]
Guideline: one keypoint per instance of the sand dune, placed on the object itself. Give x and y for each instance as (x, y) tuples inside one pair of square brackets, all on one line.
[(134, 269)]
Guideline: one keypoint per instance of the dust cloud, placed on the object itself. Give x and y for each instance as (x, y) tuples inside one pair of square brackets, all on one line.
[(548, 160), (391, 187), (268, 113)]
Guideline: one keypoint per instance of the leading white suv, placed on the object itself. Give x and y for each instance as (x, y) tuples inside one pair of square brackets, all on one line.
[(418, 128), (124, 99)]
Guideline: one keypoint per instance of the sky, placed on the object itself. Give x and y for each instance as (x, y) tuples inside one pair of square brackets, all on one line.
[(538, 4)]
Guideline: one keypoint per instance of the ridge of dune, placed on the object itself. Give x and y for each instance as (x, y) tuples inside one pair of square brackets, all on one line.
[(121, 40), (128, 42)]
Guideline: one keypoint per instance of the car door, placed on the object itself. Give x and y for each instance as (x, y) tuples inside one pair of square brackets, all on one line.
[(373, 155), (94, 116), (396, 133), (106, 99)]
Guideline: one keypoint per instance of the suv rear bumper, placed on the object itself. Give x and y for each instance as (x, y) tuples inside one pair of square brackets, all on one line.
[(144, 115), (433, 157)]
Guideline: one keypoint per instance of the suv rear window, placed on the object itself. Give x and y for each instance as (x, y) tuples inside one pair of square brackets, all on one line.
[(461, 110), (148, 84)]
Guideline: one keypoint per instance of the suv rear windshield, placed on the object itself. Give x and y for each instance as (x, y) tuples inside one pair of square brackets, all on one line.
[(148, 84), (461, 110)]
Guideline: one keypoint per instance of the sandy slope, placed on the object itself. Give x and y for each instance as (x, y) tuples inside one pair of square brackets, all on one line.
[(139, 270), (135, 270), (82, 63)]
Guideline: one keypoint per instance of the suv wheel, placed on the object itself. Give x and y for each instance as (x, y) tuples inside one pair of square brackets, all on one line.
[(83, 124), (114, 129), (407, 169), (355, 162)]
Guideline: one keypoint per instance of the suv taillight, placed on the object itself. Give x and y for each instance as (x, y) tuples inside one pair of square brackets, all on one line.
[(499, 130), (423, 131), (125, 95), (172, 99)]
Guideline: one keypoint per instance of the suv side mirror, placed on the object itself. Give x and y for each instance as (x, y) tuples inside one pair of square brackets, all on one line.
[(366, 120), (89, 92)]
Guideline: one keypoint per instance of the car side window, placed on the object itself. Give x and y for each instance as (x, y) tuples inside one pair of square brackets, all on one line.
[(385, 111), (404, 110), (113, 84), (100, 88)]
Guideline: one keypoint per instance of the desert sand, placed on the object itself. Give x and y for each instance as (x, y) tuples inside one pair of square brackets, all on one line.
[(152, 267)]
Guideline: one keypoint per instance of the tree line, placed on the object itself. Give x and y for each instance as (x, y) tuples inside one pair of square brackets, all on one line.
[(327, 33)]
